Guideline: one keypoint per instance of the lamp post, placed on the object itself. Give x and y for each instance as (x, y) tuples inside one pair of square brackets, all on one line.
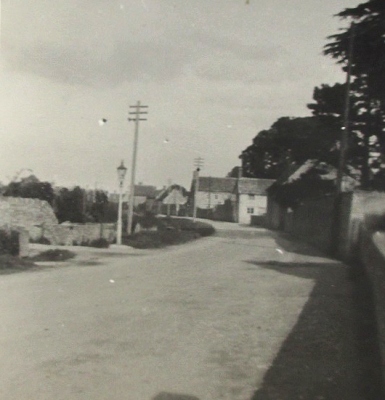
[(121, 174)]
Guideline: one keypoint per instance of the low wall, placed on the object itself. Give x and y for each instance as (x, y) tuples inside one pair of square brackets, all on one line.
[(69, 234), (372, 255)]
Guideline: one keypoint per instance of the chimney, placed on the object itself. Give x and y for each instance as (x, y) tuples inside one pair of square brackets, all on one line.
[(240, 172)]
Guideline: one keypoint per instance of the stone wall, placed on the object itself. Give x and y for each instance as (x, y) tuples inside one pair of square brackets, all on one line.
[(312, 221), (69, 234), (372, 256), (26, 213)]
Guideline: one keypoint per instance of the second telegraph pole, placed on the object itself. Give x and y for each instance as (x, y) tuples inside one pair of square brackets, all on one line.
[(139, 111)]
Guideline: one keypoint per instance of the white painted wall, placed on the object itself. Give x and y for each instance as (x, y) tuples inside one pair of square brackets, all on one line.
[(206, 200), (258, 204)]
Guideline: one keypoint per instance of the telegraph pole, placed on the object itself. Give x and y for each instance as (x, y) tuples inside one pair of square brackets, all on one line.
[(139, 111), (198, 163), (346, 128), (344, 144)]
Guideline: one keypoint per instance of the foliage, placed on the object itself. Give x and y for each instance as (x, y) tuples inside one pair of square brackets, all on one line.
[(70, 205), (147, 220), (308, 185), (288, 140), (235, 172), (54, 255), (158, 239), (187, 225), (99, 206), (40, 240), (366, 38), (9, 242), (9, 263), (30, 187), (100, 243)]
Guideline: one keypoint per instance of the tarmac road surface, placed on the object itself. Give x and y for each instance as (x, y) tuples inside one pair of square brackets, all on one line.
[(234, 318)]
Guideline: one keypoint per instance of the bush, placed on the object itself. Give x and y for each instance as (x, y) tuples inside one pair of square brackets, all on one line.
[(54, 255), (10, 263), (9, 242), (100, 243), (148, 220), (188, 225), (40, 240), (158, 239)]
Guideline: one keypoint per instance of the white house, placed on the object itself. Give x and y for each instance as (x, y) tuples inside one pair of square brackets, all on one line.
[(251, 198)]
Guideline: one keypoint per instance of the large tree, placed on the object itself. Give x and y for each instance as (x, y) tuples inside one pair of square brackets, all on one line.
[(365, 37), (289, 140)]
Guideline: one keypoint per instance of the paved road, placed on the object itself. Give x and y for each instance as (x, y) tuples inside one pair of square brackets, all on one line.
[(221, 318)]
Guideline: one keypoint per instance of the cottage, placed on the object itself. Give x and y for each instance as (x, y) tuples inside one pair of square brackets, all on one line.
[(215, 197), (251, 198)]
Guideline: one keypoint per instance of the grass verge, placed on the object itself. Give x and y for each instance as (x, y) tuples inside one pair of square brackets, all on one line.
[(9, 264), (170, 231)]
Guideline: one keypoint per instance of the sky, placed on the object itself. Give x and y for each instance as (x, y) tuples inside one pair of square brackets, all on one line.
[(213, 73)]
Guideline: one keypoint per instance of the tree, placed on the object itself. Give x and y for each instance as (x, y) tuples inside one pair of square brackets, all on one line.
[(367, 62), (70, 205), (289, 140), (99, 206), (235, 172), (30, 187)]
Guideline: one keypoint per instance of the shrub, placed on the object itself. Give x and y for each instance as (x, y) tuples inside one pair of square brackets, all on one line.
[(9, 242), (54, 255), (158, 239), (41, 240), (148, 220), (100, 243), (184, 224)]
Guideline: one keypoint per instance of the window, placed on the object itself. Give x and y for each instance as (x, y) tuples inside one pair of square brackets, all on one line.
[(251, 197), (250, 210), (216, 197)]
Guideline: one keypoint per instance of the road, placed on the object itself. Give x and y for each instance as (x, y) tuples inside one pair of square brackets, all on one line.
[(230, 317)]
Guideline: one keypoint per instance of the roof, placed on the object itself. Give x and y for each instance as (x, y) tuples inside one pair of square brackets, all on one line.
[(325, 171), (254, 185), (210, 184), (145, 191), (163, 193)]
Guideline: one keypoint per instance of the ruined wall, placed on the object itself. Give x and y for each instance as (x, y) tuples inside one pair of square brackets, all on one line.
[(27, 213), (70, 234)]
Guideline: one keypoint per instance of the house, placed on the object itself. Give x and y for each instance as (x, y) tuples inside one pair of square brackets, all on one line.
[(251, 198), (313, 179), (215, 197), (144, 195), (172, 200), (231, 199)]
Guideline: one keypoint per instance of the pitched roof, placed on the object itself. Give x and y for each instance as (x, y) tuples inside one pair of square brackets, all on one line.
[(145, 191), (254, 185), (163, 193), (210, 184)]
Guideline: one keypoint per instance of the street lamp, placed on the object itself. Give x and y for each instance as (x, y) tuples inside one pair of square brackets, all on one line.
[(121, 174)]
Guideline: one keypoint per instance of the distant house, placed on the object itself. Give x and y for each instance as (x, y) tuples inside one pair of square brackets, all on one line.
[(172, 200), (231, 199), (215, 197), (251, 198), (144, 195)]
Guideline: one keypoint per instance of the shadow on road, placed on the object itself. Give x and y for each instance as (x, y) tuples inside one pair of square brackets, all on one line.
[(332, 351), (173, 396)]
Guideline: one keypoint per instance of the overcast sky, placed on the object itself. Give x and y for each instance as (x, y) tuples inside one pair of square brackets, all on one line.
[(213, 73)]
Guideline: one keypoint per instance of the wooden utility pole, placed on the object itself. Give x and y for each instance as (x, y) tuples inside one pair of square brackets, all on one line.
[(344, 144), (139, 110), (198, 163)]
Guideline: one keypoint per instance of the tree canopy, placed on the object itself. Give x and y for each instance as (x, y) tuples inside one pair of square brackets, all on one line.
[(30, 187)]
